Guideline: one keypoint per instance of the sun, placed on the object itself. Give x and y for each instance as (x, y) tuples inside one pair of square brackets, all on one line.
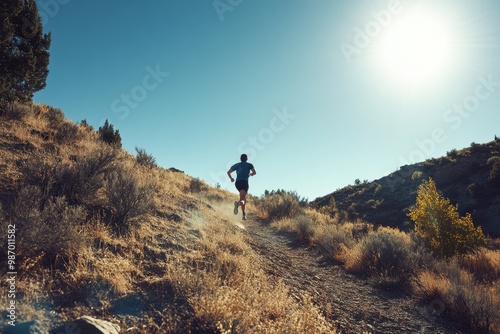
[(415, 50)]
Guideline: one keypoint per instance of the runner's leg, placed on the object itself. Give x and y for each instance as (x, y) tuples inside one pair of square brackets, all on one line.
[(243, 197)]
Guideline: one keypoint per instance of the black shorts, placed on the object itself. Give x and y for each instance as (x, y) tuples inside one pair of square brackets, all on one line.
[(242, 185)]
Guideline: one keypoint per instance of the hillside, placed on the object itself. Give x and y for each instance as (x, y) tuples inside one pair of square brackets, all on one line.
[(469, 177), (94, 231), (96, 235)]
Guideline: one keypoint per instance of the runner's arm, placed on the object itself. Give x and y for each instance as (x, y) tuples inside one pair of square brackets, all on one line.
[(253, 172), (229, 174)]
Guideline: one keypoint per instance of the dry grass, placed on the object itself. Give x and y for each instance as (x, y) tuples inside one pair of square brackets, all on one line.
[(300, 225), (183, 268), (465, 289), (461, 296), (230, 293), (336, 240), (483, 264)]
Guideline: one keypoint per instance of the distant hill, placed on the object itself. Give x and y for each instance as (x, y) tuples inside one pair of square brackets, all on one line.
[(469, 177)]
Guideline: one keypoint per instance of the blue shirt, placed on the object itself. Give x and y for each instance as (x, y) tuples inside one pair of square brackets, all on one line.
[(242, 170)]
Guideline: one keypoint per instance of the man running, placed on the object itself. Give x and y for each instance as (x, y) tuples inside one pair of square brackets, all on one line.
[(243, 170)]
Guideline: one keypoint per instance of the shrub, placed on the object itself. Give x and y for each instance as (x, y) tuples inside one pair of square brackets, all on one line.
[(78, 182), (15, 110), (39, 170), (335, 239), (330, 209), (280, 205), (55, 117), (483, 264), (86, 176), (386, 254), (352, 211), (304, 228), (127, 198), (439, 222), (84, 124), (66, 133), (359, 229), (493, 160), (51, 229), (215, 198), (452, 154), (303, 202), (145, 159), (416, 175), (196, 185), (460, 297)]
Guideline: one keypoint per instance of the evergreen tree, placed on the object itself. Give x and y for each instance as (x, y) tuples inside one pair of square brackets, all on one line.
[(24, 51), (109, 135)]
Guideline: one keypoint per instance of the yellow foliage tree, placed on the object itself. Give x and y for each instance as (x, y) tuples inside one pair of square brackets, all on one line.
[(439, 222)]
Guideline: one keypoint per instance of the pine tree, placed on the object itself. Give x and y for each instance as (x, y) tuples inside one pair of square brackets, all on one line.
[(24, 51), (109, 135), (439, 222)]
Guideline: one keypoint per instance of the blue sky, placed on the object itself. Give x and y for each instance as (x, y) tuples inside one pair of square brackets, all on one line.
[(317, 93)]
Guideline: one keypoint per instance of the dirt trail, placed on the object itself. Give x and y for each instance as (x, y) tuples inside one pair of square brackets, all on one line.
[(353, 305)]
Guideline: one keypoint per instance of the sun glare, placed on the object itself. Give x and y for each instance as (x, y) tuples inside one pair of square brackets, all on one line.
[(415, 49)]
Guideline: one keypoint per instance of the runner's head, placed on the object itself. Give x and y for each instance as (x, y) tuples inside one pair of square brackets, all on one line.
[(243, 157)]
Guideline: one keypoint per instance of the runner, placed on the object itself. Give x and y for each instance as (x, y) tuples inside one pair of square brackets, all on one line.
[(243, 170)]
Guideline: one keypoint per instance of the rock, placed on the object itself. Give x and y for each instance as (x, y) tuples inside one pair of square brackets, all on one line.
[(87, 325)]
